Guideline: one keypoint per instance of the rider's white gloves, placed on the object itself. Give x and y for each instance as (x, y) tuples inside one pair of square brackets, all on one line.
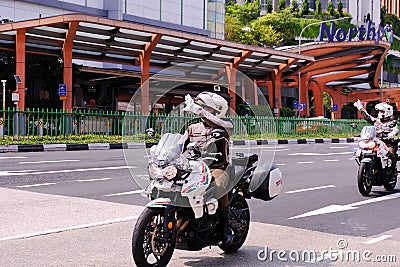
[(190, 105), (358, 105), (390, 135)]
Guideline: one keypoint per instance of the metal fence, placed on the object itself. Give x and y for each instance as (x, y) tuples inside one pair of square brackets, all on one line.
[(49, 122)]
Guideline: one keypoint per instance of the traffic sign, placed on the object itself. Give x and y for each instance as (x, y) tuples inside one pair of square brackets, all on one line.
[(63, 98), (335, 107), (62, 89)]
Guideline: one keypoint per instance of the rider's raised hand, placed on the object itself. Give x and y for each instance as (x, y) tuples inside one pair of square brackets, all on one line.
[(358, 105), (190, 105)]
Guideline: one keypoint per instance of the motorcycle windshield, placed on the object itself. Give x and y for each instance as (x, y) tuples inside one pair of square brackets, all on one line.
[(167, 148), (368, 132)]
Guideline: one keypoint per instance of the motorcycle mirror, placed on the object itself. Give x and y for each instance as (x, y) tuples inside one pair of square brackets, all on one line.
[(218, 133), (194, 151), (353, 125), (150, 132)]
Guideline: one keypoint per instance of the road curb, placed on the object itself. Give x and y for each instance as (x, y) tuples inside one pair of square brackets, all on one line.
[(108, 146)]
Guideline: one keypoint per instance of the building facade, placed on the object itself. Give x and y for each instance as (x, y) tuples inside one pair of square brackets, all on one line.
[(204, 17), (392, 6)]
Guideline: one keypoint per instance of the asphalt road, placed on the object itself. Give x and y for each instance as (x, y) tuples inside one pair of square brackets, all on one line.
[(79, 208)]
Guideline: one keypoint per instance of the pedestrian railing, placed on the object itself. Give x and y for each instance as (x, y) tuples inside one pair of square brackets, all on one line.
[(49, 122)]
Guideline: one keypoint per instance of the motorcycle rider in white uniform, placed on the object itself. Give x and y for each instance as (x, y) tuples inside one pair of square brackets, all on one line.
[(386, 126), (212, 108)]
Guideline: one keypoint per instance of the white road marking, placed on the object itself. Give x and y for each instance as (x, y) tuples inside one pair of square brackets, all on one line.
[(28, 172), (320, 154), (310, 189), (65, 229), (276, 150), (280, 164), (17, 157), (34, 185), (377, 239), (125, 193), (264, 148), (48, 161), (352, 206), (331, 160), (306, 162), (334, 147), (94, 180)]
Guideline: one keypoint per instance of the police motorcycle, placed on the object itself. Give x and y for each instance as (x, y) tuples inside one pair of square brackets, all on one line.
[(182, 210), (376, 166)]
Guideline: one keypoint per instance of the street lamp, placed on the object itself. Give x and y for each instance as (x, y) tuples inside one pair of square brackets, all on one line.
[(314, 23)]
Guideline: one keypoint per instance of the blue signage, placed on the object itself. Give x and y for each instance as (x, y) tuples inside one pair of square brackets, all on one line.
[(300, 106), (335, 107), (295, 104), (362, 33), (62, 89)]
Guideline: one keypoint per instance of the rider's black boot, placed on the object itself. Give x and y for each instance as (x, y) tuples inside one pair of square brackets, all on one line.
[(223, 216)]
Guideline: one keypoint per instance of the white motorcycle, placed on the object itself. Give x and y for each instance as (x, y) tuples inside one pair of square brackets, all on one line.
[(376, 166), (182, 211)]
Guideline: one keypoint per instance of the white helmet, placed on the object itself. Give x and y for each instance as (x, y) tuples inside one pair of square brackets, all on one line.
[(386, 109), (214, 101)]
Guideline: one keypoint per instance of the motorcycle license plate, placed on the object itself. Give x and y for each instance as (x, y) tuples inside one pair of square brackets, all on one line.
[(367, 151)]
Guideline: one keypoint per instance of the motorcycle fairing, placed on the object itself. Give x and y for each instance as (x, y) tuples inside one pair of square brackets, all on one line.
[(195, 187), (198, 181), (161, 202)]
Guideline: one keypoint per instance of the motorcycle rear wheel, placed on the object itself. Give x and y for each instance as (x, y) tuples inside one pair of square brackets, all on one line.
[(148, 249), (391, 184), (364, 180), (243, 219)]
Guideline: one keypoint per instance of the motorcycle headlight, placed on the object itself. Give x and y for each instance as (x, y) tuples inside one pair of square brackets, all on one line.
[(369, 144), (154, 171), (361, 144), (169, 172)]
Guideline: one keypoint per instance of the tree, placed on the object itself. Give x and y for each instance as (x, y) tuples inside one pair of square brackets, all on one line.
[(327, 100), (287, 112), (383, 15), (263, 35), (330, 8), (258, 33), (283, 23), (233, 28), (295, 7), (229, 2), (246, 13), (251, 11), (340, 8), (318, 9), (269, 6), (305, 7), (281, 5)]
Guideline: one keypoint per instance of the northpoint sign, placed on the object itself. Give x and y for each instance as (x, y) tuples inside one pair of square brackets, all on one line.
[(361, 33)]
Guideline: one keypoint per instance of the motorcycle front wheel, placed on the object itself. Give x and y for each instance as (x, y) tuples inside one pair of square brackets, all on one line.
[(149, 246), (240, 223), (364, 180)]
